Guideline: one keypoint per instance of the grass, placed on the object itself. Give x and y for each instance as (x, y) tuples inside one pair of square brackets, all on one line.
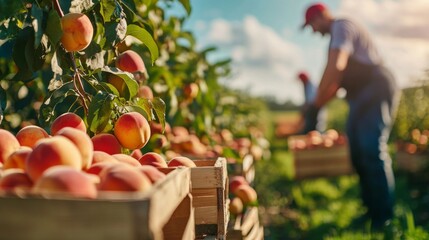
[(324, 208)]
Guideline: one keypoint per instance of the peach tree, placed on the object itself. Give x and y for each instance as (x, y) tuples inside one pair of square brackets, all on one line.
[(43, 73)]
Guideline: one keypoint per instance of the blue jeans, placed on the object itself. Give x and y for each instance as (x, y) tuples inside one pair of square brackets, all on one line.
[(371, 115)]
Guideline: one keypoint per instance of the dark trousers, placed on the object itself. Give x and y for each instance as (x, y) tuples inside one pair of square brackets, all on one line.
[(371, 115)]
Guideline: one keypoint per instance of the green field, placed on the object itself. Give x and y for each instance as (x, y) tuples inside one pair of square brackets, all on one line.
[(325, 208)]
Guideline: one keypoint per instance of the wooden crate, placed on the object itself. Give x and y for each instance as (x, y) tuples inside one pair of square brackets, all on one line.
[(128, 216), (244, 167), (209, 192), (411, 162), (321, 161), (246, 226)]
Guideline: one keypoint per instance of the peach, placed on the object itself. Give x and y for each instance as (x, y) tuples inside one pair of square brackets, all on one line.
[(83, 143), (145, 92), (14, 180), (8, 144), (77, 32), (107, 143), (191, 90), (154, 159), (29, 135), (122, 177), (136, 153), (181, 161), (235, 182), (68, 119), (179, 131), (124, 158), (156, 127), (158, 141), (65, 180), (236, 206), (130, 61), (151, 172), (132, 130), (49, 152), (17, 159), (96, 168), (247, 194), (100, 156)]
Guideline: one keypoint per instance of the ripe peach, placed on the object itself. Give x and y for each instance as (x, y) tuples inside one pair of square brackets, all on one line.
[(68, 119), (247, 194), (156, 127), (17, 159), (124, 158), (14, 180), (136, 153), (107, 143), (154, 159), (96, 168), (100, 156), (49, 152), (179, 131), (181, 161), (122, 177), (29, 135), (130, 61), (77, 32), (332, 134), (83, 143), (235, 182), (191, 90), (65, 180), (8, 144), (236, 206), (145, 92), (152, 173), (132, 130)]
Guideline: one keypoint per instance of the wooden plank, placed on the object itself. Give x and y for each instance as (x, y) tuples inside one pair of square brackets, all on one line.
[(204, 192), (260, 235), (202, 201), (253, 233), (411, 162), (181, 224), (206, 215)]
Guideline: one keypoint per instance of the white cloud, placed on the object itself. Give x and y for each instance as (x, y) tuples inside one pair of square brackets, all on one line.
[(398, 18), (264, 62)]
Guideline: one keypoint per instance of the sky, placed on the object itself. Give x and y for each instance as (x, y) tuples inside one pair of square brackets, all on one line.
[(268, 47)]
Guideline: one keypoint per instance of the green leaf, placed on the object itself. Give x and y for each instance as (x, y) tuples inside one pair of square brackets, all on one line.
[(19, 54), (9, 29), (131, 85), (145, 105), (100, 111), (53, 28), (115, 32), (37, 14), (10, 8), (147, 39), (108, 8), (187, 5), (159, 107), (79, 6)]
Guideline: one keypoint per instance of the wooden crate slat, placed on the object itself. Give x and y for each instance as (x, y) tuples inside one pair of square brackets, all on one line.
[(206, 215), (202, 201), (204, 192), (181, 224)]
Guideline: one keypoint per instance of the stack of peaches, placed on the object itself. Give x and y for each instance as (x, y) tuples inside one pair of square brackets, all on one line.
[(416, 143), (315, 139), (242, 195), (68, 162)]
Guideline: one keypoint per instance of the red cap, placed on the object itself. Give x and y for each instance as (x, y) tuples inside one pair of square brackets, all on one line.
[(303, 76), (313, 11)]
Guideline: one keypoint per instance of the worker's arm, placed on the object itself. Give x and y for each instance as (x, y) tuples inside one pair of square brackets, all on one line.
[(331, 79)]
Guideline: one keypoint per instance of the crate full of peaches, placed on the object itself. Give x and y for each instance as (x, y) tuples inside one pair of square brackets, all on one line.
[(66, 175), (317, 154)]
